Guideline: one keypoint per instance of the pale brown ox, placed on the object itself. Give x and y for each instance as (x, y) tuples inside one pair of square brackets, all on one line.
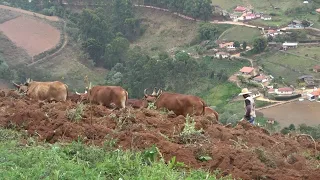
[(180, 104), (209, 111), (44, 91), (137, 103), (109, 96)]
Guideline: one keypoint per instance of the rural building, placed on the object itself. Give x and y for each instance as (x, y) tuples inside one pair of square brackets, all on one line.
[(266, 18), (261, 79), (222, 55), (240, 9), (287, 45), (308, 80), (305, 2), (318, 10), (271, 91), (247, 16), (284, 91), (234, 16), (227, 45), (314, 95), (316, 68), (255, 93), (248, 71), (295, 24)]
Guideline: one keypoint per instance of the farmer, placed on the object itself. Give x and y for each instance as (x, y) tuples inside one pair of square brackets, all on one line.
[(249, 105)]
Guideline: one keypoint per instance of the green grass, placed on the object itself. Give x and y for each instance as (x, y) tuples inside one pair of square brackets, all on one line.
[(227, 4), (282, 64), (221, 94), (241, 33), (164, 31), (77, 161)]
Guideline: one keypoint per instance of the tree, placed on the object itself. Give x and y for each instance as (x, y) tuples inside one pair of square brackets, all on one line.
[(305, 23), (260, 44), (270, 38), (244, 45), (236, 44), (208, 31)]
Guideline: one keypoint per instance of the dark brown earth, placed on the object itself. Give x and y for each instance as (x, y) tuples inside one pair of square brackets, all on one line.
[(244, 151)]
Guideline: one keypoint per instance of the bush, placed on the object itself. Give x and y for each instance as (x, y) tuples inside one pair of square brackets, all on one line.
[(189, 132), (286, 98), (76, 114)]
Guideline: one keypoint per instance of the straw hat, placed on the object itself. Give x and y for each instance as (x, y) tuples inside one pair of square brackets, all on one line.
[(244, 91)]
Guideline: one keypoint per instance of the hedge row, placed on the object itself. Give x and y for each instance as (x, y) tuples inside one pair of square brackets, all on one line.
[(286, 98)]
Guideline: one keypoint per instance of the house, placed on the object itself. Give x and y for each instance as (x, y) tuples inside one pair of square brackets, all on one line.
[(308, 80), (247, 16), (240, 9), (284, 91), (314, 95), (228, 46), (266, 17), (305, 2), (255, 94), (318, 10), (222, 55), (271, 91), (248, 71), (261, 79), (287, 45), (295, 24), (316, 68)]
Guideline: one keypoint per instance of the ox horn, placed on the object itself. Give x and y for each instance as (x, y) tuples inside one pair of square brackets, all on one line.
[(154, 92), (86, 92), (159, 92), (16, 85), (145, 92), (77, 93)]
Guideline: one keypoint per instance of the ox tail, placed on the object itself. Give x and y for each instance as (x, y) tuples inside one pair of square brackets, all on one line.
[(203, 107), (216, 114), (67, 91)]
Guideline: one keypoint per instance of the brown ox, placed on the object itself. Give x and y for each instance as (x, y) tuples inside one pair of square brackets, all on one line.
[(209, 111), (109, 96), (180, 104), (44, 91), (137, 103)]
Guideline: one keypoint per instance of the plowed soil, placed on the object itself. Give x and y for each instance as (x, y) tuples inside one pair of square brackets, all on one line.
[(32, 35), (244, 151)]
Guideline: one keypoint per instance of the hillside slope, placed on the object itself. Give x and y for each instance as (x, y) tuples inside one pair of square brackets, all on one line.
[(245, 151)]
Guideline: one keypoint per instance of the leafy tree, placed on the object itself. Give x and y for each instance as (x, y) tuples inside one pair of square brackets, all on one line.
[(244, 45), (208, 31), (305, 23), (236, 44), (260, 44), (270, 38)]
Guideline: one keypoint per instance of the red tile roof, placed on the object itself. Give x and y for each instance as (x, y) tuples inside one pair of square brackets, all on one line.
[(317, 67), (285, 89), (246, 69), (240, 8), (261, 77)]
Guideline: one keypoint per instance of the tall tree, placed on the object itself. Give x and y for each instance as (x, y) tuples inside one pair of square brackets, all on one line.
[(260, 44)]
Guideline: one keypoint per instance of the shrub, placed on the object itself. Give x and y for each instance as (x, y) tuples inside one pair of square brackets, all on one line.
[(76, 114), (189, 132), (286, 98)]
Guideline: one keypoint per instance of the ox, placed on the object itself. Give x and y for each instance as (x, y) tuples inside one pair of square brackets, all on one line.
[(108, 96), (209, 111), (137, 103), (180, 104), (44, 91)]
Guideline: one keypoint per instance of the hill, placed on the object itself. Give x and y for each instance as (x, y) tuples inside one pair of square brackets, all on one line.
[(244, 151)]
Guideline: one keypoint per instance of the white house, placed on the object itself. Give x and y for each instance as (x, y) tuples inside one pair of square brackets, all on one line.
[(227, 45), (266, 18), (287, 45), (284, 91), (223, 55), (261, 79)]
